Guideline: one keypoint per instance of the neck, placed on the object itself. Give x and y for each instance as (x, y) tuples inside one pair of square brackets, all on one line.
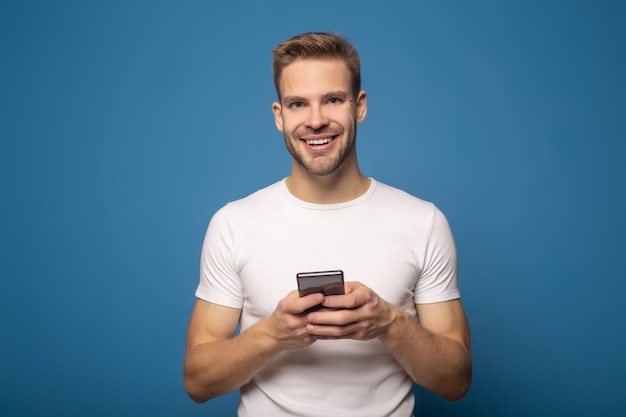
[(345, 184)]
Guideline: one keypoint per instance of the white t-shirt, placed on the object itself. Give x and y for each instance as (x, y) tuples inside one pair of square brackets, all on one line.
[(396, 244)]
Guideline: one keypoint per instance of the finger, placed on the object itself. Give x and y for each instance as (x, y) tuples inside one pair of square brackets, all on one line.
[(294, 304), (350, 300), (300, 304), (333, 332), (341, 317), (351, 286)]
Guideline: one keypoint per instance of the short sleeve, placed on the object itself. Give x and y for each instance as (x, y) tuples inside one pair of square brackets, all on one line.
[(219, 278), (438, 281)]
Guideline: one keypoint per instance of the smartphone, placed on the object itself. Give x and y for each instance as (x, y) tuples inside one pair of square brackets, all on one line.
[(326, 282)]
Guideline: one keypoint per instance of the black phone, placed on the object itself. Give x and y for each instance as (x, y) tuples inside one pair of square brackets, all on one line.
[(326, 282)]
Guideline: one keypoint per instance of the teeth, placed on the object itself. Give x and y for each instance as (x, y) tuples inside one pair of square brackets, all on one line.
[(318, 141)]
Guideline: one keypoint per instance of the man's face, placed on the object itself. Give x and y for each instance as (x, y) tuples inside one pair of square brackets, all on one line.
[(318, 115)]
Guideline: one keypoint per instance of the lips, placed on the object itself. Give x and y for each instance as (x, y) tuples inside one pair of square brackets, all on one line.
[(318, 142), (318, 139)]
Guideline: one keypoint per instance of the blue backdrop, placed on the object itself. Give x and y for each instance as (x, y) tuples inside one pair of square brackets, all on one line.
[(125, 125)]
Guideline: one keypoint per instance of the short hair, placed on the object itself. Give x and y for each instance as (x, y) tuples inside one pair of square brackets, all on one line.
[(317, 45)]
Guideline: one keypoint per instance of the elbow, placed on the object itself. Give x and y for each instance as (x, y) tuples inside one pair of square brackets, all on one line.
[(200, 399), (195, 394), (458, 390), (462, 381), (195, 390), (201, 391)]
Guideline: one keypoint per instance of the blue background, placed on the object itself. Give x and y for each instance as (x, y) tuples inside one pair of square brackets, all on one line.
[(126, 125)]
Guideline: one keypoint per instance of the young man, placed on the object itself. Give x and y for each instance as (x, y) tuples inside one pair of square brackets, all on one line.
[(401, 318)]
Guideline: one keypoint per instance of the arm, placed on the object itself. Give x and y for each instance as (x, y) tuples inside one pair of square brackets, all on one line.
[(434, 352), (217, 362)]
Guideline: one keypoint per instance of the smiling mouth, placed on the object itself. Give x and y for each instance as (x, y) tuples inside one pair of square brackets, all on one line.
[(318, 142)]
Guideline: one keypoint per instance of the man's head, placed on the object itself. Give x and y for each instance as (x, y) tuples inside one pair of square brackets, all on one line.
[(317, 45), (320, 102)]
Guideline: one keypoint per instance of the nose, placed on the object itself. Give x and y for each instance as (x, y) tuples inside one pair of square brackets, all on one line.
[(316, 117)]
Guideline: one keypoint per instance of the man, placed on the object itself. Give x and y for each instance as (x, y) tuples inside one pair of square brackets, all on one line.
[(401, 318)]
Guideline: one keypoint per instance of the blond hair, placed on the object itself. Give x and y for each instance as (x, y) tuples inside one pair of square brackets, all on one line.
[(317, 45)]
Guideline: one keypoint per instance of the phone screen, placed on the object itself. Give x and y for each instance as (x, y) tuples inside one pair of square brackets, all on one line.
[(326, 282)]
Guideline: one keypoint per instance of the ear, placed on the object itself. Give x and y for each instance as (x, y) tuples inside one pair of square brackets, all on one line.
[(361, 106), (278, 118)]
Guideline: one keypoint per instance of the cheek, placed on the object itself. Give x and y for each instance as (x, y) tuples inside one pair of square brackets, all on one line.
[(343, 117), (290, 125)]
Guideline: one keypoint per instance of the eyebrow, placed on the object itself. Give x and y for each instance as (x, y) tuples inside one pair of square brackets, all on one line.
[(292, 99), (338, 93)]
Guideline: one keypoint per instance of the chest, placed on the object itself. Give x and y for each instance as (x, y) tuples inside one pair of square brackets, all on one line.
[(383, 255)]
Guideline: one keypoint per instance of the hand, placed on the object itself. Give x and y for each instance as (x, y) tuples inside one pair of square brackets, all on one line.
[(287, 325), (360, 314)]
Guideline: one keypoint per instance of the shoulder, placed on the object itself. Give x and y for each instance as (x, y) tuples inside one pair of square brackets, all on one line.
[(395, 206), (249, 210), (258, 200), (396, 199)]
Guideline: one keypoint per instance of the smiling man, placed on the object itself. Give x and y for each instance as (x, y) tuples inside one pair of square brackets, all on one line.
[(400, 320), (318, 113)]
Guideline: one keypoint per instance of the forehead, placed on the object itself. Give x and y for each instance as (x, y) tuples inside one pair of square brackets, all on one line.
[(315, 76)]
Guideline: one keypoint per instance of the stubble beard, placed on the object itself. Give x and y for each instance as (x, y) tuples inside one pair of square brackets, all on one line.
[(326, 163)]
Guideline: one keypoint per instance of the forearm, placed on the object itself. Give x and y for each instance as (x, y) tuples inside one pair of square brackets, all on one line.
[(221, 366), (435, 362)]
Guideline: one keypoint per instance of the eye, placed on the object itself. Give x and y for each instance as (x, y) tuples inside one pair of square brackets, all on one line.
[(296, 105), (334, 100)]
